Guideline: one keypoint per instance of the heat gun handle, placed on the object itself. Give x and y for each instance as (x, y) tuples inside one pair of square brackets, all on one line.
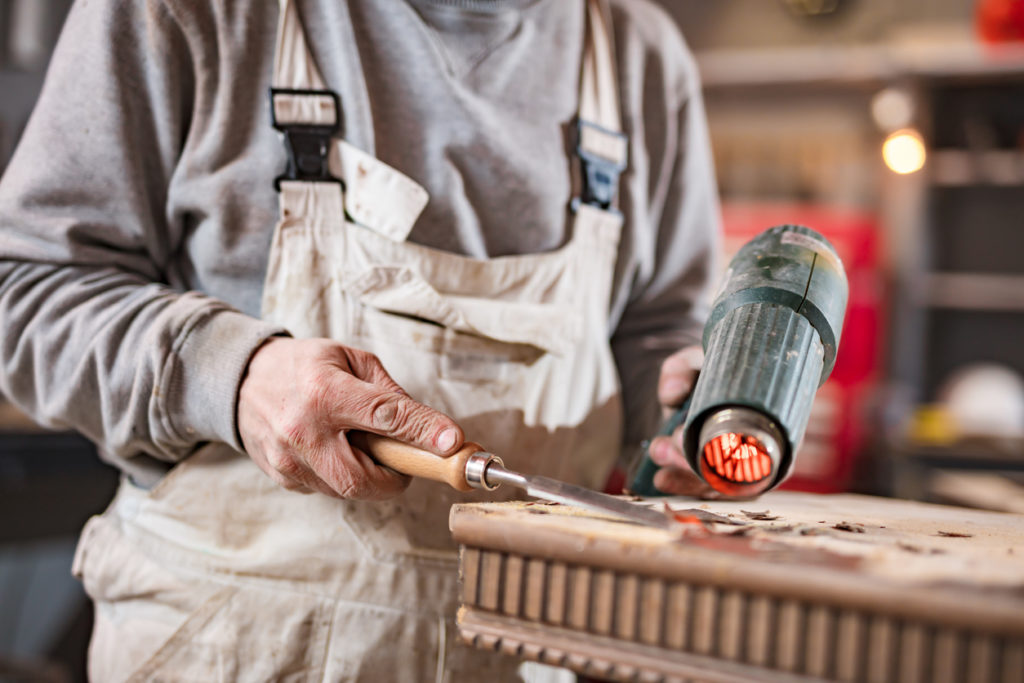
[(643, 481)]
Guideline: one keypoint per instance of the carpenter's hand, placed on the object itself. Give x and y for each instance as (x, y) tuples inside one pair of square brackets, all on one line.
[(678, 375), (298, 399)]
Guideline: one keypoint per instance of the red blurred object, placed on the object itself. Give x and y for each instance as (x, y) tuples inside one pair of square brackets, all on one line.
[(1000, 21), (837, 427)]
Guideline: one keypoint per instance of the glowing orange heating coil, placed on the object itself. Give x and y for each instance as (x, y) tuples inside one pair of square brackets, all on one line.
[(738, 458)]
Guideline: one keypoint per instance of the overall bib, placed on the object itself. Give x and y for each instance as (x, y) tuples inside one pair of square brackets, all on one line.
[(219, 574)]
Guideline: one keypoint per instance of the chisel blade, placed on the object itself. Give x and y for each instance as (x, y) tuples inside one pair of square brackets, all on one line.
[(561, 492)]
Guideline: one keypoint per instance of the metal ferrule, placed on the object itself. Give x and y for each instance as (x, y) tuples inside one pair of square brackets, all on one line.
[(476, 470)]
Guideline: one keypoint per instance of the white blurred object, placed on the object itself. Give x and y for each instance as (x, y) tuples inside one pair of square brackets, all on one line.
[(892, 108), (985, 399)]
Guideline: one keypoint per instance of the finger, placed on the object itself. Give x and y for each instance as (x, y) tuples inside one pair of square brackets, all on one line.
[(350, 473), (288, 472), (680, 482), (665, 453), (384, 483), (678, 375), (366, 407), (440, 434), (312, 481), (286, 481)]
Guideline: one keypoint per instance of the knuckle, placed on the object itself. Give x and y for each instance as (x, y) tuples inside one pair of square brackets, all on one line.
[(316, 386), (281, 480), (350, 491), (340, 480), (292, 432), (370, 359), (285, 465), (362, 361), (378, 487), (388, 413), (339, 473), (350, 486)]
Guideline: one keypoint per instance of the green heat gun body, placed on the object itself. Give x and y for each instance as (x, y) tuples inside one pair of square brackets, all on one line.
[(769, 343)]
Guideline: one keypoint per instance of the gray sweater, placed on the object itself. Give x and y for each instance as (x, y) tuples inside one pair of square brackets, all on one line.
[(136, 214)]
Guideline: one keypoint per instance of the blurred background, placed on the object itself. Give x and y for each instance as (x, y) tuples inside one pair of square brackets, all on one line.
[(894, 128)]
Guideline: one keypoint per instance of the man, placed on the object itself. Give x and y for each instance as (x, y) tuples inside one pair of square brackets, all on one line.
[(218, 310)]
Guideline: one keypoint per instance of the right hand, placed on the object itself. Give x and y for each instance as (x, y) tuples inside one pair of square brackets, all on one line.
[(676, 381), (300, 396)]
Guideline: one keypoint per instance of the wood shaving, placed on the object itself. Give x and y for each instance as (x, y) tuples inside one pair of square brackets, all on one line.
[(686, 516), (954, 534), (762, 516), (917, 549), (849, 526)]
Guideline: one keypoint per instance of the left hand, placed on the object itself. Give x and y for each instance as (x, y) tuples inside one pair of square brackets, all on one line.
[(678, 376)]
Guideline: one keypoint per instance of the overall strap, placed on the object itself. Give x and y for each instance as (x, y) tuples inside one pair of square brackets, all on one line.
[(601, 146), (294, 66), (303, 109)]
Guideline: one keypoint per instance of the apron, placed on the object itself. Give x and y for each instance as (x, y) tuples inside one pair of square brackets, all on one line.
[(218, 574)]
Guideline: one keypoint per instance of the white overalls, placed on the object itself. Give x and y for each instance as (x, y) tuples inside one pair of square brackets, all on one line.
[(219, 574)]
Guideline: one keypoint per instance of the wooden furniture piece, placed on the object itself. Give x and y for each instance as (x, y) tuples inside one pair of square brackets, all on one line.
[(788, 587)]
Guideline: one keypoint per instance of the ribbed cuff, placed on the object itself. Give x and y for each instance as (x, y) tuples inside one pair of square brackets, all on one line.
[(207, 367)]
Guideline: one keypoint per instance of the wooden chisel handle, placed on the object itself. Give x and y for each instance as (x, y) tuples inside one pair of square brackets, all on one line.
[(417, 462)]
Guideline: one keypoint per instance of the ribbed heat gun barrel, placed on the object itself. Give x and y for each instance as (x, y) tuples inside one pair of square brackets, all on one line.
[(769, 343)]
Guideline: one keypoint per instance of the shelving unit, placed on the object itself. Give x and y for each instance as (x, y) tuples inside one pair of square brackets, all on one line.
[(962, 168), (952, 235), (974, 278), (967, 287), (974, 292), (959, 56)]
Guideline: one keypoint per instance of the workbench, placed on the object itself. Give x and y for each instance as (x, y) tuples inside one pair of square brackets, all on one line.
[(788, 587)]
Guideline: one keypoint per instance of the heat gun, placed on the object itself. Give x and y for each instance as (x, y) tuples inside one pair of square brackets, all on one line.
[(769, 343)]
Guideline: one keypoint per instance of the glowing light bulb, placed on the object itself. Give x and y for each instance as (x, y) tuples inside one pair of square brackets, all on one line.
[(903, 151)]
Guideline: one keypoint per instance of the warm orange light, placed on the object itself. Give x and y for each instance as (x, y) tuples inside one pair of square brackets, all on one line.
[(904, 152), (738, 458)]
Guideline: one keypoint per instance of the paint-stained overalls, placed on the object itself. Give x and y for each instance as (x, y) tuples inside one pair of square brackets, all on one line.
[(217, 574)]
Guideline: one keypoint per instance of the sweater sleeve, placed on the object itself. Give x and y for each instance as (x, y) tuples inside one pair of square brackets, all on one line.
[(670, 296), (94, 338)]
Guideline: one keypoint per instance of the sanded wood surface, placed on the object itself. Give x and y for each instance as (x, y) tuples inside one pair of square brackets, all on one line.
[(832, 587)]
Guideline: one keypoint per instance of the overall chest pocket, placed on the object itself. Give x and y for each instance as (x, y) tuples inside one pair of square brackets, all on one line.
[(472, 339)]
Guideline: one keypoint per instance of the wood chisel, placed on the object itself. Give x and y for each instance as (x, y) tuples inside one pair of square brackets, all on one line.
[(474, 468)]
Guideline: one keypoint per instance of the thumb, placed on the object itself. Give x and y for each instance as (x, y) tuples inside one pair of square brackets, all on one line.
[(391, 412), (678, 375)]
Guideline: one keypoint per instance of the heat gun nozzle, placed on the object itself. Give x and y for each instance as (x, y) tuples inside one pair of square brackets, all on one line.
[(738, 457), (740, 452)]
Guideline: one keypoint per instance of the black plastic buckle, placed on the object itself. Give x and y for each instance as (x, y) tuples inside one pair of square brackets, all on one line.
[(600, 174), (307, 145)]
